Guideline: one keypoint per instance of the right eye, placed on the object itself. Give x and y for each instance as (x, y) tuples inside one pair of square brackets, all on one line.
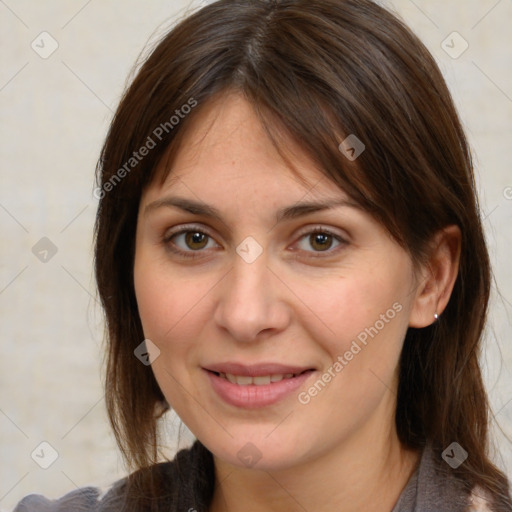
[(189, 242)]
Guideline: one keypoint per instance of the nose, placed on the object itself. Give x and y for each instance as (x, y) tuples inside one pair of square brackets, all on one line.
[(251, 304)]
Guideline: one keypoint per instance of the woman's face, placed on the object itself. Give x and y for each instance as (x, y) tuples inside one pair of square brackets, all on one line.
[(278, 308)]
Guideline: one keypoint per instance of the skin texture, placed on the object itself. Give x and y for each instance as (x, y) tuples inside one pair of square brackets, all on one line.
[(295, 305)]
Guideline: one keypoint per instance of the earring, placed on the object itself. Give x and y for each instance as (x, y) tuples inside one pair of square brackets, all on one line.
[(436, 316)]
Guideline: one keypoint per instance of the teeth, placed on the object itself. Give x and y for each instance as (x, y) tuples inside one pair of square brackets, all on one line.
[(263, 380), (231, 378), (243, 380)]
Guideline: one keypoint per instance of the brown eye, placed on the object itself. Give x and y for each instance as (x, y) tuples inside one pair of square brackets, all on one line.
[(196, 240), (190, 242), (320, 241)]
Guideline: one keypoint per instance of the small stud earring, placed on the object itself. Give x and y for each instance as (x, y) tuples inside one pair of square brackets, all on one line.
[(436, 316)]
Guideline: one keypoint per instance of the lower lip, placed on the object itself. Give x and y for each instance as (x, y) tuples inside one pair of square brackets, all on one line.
[(252, 396)]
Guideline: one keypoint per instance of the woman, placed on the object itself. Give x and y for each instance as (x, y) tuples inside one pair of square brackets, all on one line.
[(290, 254)]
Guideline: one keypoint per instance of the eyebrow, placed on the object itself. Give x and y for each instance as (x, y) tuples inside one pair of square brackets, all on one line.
[(289, 213)]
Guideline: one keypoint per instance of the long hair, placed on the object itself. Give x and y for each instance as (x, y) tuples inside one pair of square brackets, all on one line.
[(320, 70)]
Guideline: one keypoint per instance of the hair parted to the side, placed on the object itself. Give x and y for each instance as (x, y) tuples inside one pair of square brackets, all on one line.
[(319, 70)]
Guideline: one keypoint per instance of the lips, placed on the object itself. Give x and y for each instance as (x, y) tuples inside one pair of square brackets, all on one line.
[(257, 370), (260, 380), (254, 386)]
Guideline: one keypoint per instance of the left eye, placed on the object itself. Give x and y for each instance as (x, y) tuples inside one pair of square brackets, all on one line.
[(320, 241)]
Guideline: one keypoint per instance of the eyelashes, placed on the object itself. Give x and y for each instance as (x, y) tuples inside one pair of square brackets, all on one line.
[(193, 242), (188, 234), (322, 238)]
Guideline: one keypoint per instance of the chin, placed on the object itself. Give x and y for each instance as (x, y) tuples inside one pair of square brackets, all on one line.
[(258, 451)]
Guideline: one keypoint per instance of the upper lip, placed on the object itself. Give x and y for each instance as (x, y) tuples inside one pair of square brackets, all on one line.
[(256, 370)]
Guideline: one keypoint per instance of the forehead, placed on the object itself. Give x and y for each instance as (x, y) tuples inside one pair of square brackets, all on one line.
[(226, 146)]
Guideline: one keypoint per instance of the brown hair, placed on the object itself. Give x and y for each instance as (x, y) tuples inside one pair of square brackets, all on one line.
[(316, 69)]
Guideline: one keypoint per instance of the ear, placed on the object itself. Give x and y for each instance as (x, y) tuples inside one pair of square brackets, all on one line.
[(437, 277)]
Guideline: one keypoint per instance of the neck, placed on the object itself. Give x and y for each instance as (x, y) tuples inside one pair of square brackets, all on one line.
[(366, 474)]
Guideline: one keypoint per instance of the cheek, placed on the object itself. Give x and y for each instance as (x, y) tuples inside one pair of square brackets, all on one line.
[(154, 300), (350, 306), (169, 304), (360, 323), (362, 344), (169, 308)]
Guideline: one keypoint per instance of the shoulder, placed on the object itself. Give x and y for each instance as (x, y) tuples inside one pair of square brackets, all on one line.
[(434, 486), (181, 479), (81, 500), (86, 499), (479, 501)]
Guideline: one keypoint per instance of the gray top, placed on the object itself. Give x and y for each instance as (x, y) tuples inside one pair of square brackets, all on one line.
[(431, 488)]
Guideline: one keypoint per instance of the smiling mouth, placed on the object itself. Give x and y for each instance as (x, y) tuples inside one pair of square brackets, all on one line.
[(252, 387), (260, 380)]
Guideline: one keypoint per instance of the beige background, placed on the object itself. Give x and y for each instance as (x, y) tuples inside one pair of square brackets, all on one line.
[(55, 113)]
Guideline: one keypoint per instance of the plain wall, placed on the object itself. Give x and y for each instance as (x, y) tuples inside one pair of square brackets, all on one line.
[(55, 114)]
